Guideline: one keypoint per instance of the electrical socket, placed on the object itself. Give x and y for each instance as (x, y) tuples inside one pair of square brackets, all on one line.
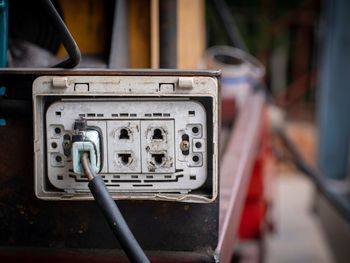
[(158, 146), (124, 146), (155, 143)]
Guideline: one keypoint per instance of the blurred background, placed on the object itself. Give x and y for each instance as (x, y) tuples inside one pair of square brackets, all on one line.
[(297, 209)]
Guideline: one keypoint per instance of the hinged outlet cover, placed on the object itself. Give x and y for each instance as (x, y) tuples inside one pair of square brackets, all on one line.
[(149, 142)]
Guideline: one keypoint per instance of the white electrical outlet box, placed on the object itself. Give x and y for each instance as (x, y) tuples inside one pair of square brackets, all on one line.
[(150, 136)]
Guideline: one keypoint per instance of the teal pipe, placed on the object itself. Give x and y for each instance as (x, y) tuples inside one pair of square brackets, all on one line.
[(3, 32)]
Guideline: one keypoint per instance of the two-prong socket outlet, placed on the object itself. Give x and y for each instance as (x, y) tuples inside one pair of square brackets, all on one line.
[(140, 144), (150, 137)]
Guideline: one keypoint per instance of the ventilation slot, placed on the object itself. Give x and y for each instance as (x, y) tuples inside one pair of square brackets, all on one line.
[(78, 180), (126, 181), (113, 185), (164, 180)]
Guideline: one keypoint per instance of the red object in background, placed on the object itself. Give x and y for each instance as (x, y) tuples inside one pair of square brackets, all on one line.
[(254, 211), (252, 217), (255, 206), (228, 110)]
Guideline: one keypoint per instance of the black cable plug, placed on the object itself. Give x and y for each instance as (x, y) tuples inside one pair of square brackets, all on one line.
[(112, 214)]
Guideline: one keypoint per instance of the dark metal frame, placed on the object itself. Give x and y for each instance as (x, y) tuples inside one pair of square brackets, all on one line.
[(168, 231)]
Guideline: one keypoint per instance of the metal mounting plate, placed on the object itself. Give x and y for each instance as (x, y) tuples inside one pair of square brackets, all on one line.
[(154, 92)]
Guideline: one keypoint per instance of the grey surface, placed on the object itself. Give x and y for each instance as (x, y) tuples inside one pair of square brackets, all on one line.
[(336, 228), (298, 234)]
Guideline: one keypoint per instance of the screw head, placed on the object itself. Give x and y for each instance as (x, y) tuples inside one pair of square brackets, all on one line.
[(66, 144), (185, 145)]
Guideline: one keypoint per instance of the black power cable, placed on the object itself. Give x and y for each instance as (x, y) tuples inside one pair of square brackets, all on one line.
[(13, 108), (227, 21), (340, 204), (67, 39), (112, 214)]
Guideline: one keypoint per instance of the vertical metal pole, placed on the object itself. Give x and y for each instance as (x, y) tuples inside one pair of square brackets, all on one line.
[(334, 92), (3, 32), (168, 34), (118, 57)]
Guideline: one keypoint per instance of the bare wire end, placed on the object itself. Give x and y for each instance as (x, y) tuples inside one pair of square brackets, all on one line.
[(85, 162)]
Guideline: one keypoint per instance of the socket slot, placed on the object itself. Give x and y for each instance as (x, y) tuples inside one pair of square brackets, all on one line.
[(158, 158), (124, 134), (125, 158), (158, 134)]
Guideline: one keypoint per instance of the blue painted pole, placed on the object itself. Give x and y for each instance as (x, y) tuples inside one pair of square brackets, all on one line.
[(334, 91), (3, 32)]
